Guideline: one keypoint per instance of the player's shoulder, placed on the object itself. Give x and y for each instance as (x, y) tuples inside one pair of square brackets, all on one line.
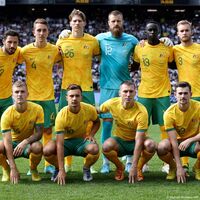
[(140, 107), (34, 106), (27, 47), (88, 36), (87, 106), (102, 36)]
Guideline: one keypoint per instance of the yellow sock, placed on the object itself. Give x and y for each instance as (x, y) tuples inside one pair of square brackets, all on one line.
[(168, 158), (47, 136), (197, 163), (34, 160), (53, 160), (144, 158), (90, 160), (3, 162), (185, 160), (68, 160), (164, 134), (112, 156)]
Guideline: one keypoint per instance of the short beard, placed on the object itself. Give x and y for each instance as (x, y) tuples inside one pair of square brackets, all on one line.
[(117, 32)]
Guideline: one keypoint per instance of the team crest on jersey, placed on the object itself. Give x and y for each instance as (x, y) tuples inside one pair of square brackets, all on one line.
[(161, 55), (195, 56), (49, 57), (194, 120), (86, 46)]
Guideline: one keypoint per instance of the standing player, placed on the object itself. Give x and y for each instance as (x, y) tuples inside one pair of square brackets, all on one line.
[(39, 58), (22, 127), (129, 136), (154, 88), (9, 53), (182, 124), (77, 52), (187, 58), (71, 138), (116, 48)]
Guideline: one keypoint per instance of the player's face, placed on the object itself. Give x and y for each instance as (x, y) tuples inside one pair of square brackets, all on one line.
[(184, 32), (77, 23), (115, 23), (10, 44), (40, 31), (127, 93), (74, 98), (183, 95), (19, 94), (152, 30)]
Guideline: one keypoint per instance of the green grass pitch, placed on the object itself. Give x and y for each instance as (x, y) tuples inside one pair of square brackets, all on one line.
[(103, 187)]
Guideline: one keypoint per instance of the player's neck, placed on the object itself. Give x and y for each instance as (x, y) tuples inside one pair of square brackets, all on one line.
[(184, 107), (74, 109), (77, 34), (21, 107), (153, 41), (40, 44), (127, 105), (187, 43)]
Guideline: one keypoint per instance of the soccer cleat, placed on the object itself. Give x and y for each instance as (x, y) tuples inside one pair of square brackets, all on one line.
[(140, 176), (29, 173), (165, 168), (35, 175), (128, 167), (197, 172), (119, 174), (172, 174), (5, 175), (49, 169), (68, 168), (87, 176), (145, 168), (105, 168), (54, 175)]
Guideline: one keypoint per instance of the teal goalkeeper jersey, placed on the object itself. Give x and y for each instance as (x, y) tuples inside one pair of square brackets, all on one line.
[(115, 56)]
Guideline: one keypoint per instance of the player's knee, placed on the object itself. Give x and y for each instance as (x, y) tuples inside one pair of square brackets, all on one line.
[(108, 145), (1, 147), (93, 149), (163, 147), (36, 147), (150, 145), (49, 148)]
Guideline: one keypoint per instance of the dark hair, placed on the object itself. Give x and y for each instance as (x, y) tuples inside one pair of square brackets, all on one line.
[(74, 87), (153, 22), (10, 33), (40, 21), (79, 13), (183, 84), (128, 83)]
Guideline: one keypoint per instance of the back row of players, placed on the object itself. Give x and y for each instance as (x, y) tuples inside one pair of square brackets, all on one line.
[(76, 51)]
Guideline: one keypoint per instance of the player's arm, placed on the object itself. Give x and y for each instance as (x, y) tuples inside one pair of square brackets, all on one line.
[(94, 129), (14, 174), (60, 155), (36, 136), (139, 142), (186, 143), (180, 173)]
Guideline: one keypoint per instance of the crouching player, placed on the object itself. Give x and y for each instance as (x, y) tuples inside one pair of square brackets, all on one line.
[(182, 122), (22, 127), (71, 127), (129, 138)]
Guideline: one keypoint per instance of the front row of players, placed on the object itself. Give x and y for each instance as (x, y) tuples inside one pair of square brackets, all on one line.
[(22, 127)]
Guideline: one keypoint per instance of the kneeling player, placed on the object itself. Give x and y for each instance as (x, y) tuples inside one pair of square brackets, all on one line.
[(182, 124), (129, 138), (22, 127)]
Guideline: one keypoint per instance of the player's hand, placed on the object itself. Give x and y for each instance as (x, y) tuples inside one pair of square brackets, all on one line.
[(20, 148), (64, 34), (142, 43), (133, 174), (166, 41), (91, 139), (184, 145), (181, 175), (60, 177), (14, 176)]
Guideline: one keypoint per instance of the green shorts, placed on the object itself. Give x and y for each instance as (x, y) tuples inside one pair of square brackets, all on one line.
[(196, 98), (155, 108), (25, 152), (4, 104), (75, 146), (125, 147), (49, 112), (189, 151), (88, 97), (106, 94)]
